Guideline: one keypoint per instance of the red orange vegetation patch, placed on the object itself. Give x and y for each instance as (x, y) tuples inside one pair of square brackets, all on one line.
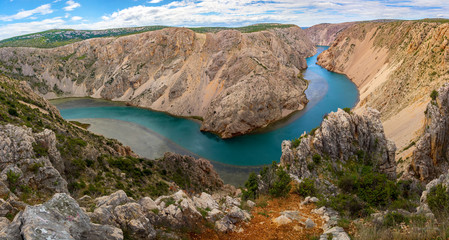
[(262, 227)]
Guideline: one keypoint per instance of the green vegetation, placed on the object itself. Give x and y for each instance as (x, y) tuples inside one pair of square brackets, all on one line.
[(306, 188), (79, 124), (13, 179), (281, 187), (61, 37), (296, 142), (438, 201), (348, 110), (252, 187), (40, 150), (434, 95)]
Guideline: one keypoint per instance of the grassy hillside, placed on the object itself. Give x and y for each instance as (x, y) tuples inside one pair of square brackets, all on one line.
[(60, 37)]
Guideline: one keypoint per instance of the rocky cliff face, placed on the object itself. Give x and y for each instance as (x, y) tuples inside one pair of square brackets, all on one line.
[(395, 66), (325, 33), (430, 158), (235, 81), (341, 137)]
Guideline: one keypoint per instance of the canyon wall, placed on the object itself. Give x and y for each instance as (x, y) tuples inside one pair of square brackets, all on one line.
[(235, 81), (395, 65), (325, 33)]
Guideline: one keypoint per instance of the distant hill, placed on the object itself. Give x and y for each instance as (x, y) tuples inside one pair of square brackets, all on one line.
[(60, 37)]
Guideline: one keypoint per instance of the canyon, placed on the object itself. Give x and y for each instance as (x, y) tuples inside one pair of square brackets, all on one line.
[(234, 82)]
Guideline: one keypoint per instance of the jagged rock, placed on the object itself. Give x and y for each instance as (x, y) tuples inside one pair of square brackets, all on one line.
[(309, 200), (115, 199), (5, 208), (230, 202), (4, 222), (340, 136), (205, 201), (131, 217), (180, 212), (224, 225), (309, 223), (214, 215), (430, 156), (103, 232), (200, 172), (250, 203), (59, 218), (17, 156), (237, 215), (281, 220), (337, 233), (148, 204)]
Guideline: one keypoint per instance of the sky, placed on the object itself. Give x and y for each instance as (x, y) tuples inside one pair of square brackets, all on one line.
[(18, 17)]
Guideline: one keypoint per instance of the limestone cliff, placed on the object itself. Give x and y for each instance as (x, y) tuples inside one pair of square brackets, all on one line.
[(325, 33), (395, 66), (235, 81), (430, 158), (341, 137)]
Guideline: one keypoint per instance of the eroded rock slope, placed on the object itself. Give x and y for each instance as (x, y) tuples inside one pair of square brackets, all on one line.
[(235, 81), (395, 66)]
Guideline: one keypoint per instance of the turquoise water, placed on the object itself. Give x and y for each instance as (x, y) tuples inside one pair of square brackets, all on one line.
[(327, 92)]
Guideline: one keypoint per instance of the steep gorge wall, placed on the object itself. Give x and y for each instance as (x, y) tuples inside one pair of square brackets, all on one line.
[(325, 33), (395, 65), (235, 81)]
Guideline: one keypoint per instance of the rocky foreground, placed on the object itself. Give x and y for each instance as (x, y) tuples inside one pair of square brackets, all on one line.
[(235, 82)]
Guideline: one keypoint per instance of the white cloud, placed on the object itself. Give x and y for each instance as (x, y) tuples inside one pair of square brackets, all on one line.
[(43, 9), (71, 5), (190, 13), (155, 1), (76, 18), (16, 29)]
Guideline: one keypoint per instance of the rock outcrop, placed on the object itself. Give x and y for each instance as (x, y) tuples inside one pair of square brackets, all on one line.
[(340, 137), (59, 218), (196, 174), (430, 158), (23, 168), (235, 81), (324, 34), (395, 66)]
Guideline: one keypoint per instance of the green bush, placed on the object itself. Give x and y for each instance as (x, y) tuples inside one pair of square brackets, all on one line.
[(13, 112), (376, 189), (348, 205), (296, 142), (438, 201), (434, 95), (40, 150), (306, 188), (281, 187), (316, 158), (348, 110), (393, 219), (252, 187)]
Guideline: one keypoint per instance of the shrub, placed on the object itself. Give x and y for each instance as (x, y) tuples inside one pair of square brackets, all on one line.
[(306, 188), (281, 187), (438, 201), (40, 150), (434, 95), (13, 112), (348, 110), (393, 218), (348, 205), (252, 187), (376, 189), (316, 158), (296, 142), (348, 183)]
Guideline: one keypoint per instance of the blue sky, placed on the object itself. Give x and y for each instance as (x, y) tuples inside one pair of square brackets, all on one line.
[(19, 17)]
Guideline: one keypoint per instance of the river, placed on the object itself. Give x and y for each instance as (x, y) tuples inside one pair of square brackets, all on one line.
[(151, 133)]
